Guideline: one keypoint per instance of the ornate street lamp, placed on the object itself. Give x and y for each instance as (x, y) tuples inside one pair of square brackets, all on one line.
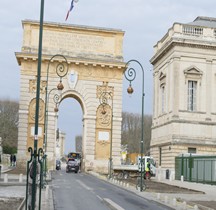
[(61, 71), (56, 99), (130, 75), (35, 153), (104, 101)]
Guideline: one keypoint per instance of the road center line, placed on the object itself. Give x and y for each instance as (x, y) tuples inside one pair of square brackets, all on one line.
[(114, 205)]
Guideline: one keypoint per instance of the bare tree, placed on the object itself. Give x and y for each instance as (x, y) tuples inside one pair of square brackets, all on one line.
[(78, 143), (131, 131), (9, 122)]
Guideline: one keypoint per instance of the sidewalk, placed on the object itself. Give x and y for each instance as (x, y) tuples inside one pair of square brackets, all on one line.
[(205, 200), (14, 185)]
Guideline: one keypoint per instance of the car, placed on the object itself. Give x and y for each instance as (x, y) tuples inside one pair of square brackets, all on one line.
[(58, 165), (72, 165)]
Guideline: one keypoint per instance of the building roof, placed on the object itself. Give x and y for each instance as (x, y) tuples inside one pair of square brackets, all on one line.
[(204, 21)]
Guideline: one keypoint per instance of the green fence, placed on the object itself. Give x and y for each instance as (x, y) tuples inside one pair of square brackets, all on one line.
[(196, 168)]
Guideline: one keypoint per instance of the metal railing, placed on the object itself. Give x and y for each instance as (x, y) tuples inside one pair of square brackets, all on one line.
[(196, 168)]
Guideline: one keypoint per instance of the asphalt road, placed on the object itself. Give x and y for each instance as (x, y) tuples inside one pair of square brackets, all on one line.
[(85, 192)]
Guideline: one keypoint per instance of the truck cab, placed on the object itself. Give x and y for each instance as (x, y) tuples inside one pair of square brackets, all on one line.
[(150, 160)]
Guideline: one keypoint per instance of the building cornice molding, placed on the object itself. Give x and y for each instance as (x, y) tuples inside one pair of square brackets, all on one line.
[(180, 42), (75, 60), (73, 26), (185, 122)]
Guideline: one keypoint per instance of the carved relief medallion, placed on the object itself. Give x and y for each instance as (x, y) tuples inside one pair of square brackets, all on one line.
[(32, 109), (104, 114)]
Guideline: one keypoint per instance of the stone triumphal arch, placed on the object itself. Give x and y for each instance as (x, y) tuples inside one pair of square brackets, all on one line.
[(95, 65)]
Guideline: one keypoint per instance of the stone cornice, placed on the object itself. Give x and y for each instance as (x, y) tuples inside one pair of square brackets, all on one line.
[(76, 60), (73, 26), (184, 142), (186, 122), (173, 42)]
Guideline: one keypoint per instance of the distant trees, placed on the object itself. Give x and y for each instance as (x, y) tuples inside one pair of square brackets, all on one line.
[(9, 125), (78, 143), (131, 131)]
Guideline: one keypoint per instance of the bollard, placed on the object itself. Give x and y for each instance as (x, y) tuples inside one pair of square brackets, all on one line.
[(184, 205), (196, 207), (127, 185), (170, 177), (166, 199), (182, 178), (158, 196), (47, 192), (20, 178), (174, 201), (5, 178), (159, 177)]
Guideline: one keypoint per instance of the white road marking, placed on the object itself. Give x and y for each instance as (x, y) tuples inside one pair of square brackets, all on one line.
[(99, 197), (113, 204), (55, 186), (83, 185)]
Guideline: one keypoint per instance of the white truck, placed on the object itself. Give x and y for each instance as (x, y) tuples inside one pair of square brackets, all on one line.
[(126, 171)]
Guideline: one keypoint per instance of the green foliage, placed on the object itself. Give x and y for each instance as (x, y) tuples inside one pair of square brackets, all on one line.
[(9, 150)]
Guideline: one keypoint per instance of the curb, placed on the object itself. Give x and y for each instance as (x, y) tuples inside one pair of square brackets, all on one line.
[(22, 204), (12, 184)]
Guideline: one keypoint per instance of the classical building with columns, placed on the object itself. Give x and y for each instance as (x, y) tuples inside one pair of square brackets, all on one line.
[(184, 112)]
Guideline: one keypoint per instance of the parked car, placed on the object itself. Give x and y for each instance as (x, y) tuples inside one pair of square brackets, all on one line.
[(72, 165), (58, 165)]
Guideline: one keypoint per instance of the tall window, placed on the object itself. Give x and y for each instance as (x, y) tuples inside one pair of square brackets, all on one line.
[(192, 91), (163, 99)]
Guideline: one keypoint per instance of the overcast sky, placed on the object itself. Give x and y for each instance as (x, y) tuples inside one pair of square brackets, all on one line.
[(144, 23)]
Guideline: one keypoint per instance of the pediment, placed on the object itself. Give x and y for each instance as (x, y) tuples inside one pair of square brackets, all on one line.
[(162, 76), (193, 71)]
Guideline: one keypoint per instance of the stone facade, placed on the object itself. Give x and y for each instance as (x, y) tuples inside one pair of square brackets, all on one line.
[(184, 112), (60, 145), (95, 63)]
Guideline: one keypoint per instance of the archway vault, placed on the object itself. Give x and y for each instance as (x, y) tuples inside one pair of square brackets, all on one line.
[(95, 66)]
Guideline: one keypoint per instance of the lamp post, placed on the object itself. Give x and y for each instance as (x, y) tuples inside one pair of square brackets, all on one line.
[(34, 153), (56, 99), (61, 71), (130, 75), (104, 101)]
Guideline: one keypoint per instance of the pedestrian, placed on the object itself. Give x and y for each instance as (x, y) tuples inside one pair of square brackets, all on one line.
[(11, 160), (147, 170), (14, 160), (30, 182)]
